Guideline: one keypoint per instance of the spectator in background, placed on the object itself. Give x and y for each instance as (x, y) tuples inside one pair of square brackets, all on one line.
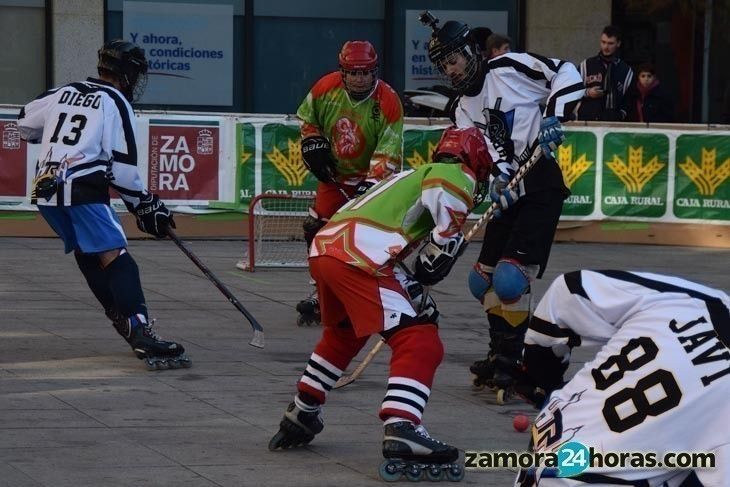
[(480, 36), (607, 79), (648, 100), (497, 44)]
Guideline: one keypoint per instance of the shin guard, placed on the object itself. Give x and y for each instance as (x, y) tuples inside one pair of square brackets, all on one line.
[(97, 279), (417, 352), (334, 352), (123, 276)]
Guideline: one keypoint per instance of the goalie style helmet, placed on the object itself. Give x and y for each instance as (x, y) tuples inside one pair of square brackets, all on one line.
[(453, 51), (126, 61), (467, 146), (358, 59)]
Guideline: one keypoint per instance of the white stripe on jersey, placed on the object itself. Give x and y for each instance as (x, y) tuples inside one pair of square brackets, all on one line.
[(85, 124), (519, 85)]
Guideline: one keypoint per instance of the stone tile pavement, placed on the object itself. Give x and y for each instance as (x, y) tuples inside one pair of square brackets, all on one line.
[(77, 409)]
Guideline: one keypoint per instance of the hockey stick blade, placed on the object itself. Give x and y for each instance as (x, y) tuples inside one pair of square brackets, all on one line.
[(258, 331), (349, 379)]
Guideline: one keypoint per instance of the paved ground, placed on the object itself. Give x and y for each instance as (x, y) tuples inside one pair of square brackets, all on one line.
[(77, 409)]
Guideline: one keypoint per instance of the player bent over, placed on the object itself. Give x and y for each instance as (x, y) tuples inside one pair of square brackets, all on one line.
[(88, 144), (518, 101), (352, 137), (660, 383), (353, 259)]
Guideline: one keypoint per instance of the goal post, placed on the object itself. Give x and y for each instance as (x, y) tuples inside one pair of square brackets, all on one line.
[(275, 234)]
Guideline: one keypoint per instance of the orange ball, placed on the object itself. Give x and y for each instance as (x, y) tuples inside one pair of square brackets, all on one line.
[(521, 422)]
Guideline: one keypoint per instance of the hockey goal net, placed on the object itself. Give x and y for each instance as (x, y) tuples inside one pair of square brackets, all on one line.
[(275, 235)]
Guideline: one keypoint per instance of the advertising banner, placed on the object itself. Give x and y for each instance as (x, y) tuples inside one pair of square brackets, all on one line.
[(245, 162), (635, 174), (189, 48), (13, 156), (418, 147), (183, 160), (577, 159), (282, 167), (702, 177)]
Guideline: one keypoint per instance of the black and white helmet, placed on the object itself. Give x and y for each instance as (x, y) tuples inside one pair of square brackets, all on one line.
[(448, 41), (126, 61)]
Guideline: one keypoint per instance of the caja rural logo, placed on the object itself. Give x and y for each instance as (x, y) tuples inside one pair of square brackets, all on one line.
[(290, 163), (706, 176), (572, 169), (417, 159), (634, 173)]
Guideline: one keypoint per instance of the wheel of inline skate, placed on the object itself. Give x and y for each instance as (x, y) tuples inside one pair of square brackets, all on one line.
[(476, 383), (389, 471), (276, 440), (414, 473), (455, 473), (435, 473), (301, 321), (502, 396)]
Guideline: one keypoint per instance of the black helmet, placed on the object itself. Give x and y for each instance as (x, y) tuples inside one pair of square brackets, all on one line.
[(127, 62), (454, 38)]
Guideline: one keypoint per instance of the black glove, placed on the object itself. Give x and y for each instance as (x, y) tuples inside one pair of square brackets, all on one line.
[(153, 217), (434, 261), (317, 156), (362, 187)]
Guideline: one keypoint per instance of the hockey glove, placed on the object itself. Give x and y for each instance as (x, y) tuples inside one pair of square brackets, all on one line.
[(428, 313), (499, 192), (363, 186), (434, 261), (550, 136), (317, 156), (153, 217)]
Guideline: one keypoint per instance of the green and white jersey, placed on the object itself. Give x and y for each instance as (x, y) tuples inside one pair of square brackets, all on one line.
[(366, 135), (373, 231)]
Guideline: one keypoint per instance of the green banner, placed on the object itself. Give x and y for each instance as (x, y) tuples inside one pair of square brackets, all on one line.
[(418, 147), (635, 168), (282, 168), (245, 162), (577, 160), (702, 177)]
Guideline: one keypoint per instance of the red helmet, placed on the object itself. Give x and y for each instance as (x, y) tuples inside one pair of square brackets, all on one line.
[(468, 147), (358, 56), (359, 68)]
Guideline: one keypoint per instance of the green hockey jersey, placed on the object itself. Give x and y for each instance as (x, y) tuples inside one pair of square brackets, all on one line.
[(380, 227)]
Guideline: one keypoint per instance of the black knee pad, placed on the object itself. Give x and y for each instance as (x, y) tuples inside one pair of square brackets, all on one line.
[(123, 276), (96, 278)]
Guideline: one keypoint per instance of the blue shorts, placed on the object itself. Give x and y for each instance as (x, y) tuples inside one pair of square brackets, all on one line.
[(90, 228)]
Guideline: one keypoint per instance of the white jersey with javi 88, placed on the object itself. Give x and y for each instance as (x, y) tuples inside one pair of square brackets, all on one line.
[(660, 383), (87, 136)]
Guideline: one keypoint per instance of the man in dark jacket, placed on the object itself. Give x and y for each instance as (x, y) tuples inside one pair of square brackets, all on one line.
[(607, 79)]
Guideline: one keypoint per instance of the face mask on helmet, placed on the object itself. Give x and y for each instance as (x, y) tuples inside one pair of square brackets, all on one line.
[(359, 68), (126, 61), (467, 146), (455, 55)]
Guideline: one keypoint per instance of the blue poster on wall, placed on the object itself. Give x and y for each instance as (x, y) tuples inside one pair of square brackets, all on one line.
[(189, 48)]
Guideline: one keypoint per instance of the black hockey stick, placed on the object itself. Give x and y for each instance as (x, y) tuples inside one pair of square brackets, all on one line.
[(258, 331)]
